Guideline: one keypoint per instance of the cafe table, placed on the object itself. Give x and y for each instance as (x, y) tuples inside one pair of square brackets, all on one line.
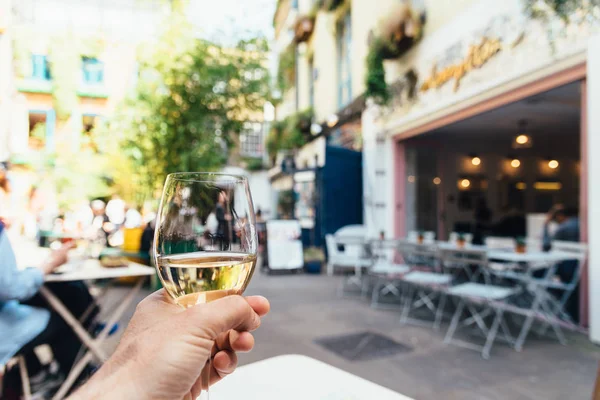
[(92, 270), (297, 377)]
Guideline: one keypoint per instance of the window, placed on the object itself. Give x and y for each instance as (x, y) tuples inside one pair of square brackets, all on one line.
[(40, 67), (344, 45), (251, 140), (92, 70)]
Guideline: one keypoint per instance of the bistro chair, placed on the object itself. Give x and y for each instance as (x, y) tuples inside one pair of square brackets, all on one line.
[(386, 277), (347, 261), (473, 262), (485, 306), (422, 255), (424, 290)]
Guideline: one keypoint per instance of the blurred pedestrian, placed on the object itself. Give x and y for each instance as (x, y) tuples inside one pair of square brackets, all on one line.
[(5, 196), (25, 320), (133, 218), (567, 222), (115, 210)]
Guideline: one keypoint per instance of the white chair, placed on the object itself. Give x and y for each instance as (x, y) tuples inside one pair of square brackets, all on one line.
[(423, 289), (349, 260), (481, 301), (473, 262), (386, 276), (455, 235)]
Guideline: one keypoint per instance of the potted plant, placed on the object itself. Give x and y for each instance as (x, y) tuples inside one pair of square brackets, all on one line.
[(421, 237), (460, 240), (313, 260), (521, 245)]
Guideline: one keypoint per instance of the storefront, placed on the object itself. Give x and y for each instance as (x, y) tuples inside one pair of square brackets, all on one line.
[(497, 115)]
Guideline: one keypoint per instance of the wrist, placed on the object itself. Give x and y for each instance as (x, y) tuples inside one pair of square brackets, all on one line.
[(114, 383)]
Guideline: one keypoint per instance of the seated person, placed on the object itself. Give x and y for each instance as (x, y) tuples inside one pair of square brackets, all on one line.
[(25, 326), (568, 231)]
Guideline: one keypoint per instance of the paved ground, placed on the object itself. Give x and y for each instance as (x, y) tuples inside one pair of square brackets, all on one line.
[(305, 307)]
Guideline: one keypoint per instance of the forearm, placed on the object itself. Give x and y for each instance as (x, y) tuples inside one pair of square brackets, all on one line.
[(110, 382)]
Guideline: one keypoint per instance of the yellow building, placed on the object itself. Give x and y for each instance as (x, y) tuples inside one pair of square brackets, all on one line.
[(71, 65)]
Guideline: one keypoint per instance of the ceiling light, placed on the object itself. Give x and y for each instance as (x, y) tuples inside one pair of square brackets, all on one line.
[(437, 180), (515, 163), (553, 164), (476, 161), (465, 183), (522, 139)]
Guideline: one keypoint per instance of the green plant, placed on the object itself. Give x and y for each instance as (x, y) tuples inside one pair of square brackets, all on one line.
[(376, 86), (314, 254), (290, 133), (399, 38), (285, 203), (253, 164), (286, 71), (568, 11)]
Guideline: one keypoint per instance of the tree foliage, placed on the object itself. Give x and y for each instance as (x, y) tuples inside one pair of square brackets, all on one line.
[(192, 97)]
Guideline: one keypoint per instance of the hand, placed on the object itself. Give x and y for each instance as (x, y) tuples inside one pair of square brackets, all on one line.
[(552, 212), (57, 258), (165, 348)]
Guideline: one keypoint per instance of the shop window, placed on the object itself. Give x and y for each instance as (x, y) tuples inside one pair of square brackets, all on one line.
[(344, 64), (92, 70), (40, 67)]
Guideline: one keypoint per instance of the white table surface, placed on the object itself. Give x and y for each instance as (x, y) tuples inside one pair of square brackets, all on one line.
[(296, 377), (530, 256), (467, 246), (92, 270)]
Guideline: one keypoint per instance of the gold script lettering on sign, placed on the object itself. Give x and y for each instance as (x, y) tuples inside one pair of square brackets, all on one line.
[(477, 56)]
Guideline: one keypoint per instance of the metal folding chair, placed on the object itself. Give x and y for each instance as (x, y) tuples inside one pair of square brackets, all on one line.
[(486, 305), (418, 254), (473, 262), (387, 280), (424, 290), (548, 305)]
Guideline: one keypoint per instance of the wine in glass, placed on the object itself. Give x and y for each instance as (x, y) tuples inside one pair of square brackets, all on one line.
[(205, 240)]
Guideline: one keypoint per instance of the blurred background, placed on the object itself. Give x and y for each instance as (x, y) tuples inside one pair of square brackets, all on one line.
[(466, 120)]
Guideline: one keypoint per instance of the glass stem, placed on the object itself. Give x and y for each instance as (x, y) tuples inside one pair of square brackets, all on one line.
[(205, 377)]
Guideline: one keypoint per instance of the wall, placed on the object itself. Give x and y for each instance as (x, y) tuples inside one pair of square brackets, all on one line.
[(322, 43), (593, 147), (529, 59)]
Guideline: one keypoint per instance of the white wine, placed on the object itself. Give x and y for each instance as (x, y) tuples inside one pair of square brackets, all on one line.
[(200, 277)]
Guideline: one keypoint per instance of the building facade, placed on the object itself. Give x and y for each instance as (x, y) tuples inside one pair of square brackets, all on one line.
[(71, 63), (488, 126)]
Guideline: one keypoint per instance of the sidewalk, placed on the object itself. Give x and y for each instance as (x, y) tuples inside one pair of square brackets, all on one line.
[(305, 307)]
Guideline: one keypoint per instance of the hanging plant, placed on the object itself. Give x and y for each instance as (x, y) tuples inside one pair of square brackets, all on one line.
[(398, 34), (376, 87), (290, 133), (566, 11), (286, 72)]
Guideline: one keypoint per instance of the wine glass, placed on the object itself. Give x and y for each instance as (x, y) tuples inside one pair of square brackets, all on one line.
[(205, 240)]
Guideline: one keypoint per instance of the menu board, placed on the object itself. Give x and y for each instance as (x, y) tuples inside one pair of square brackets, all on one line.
[(284, 244)]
